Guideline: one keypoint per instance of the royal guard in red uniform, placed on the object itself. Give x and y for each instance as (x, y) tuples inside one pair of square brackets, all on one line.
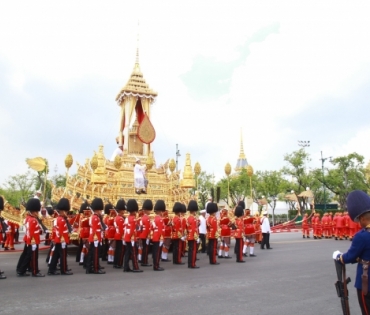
[(313, 224), (331, 229), (130, 237), (16, 233), (183, 226), (177, 233), (239, 233), (10, 231), (32, 239), (60, 239), (334, 224), (119, 224), (318, 226), (249, 234), (83, 233), (339, 225), (192, 234), (145, 232), (95, 238), (157, 229), (305, 226), (346, 220), (1, 209), (257, 228), (105, 241), (110, 233), (167, 236), (225, 226), (212, 232), (139, 244), (325, 224)]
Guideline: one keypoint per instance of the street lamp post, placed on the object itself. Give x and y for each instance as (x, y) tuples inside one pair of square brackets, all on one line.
[(323, 177), (304, 144)]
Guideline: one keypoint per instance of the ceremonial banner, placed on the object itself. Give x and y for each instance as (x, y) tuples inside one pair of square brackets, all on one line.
[(146, 131), (38, 163)]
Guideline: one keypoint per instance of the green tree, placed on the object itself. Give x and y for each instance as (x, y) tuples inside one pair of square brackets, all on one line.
[(19, 188), (205, 183)]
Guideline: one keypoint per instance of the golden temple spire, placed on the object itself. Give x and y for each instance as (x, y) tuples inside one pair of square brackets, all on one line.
[(137, 45), (241, 154)]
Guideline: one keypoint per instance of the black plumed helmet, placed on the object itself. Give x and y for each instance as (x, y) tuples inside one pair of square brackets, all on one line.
[(212, 207), (107, 208), (132, 205), (241, 203), (183, 208), (148, 205), (97, 204), (84, 206), (160, 205), (193, 206), (33, 205), (239, 211), (1, 203), (63, 204), (121, 205), (177, 207)]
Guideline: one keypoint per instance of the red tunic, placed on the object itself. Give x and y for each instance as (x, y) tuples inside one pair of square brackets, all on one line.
[(84, 226), (158, 229), (111, 229), (248, 225), (239, 228), (95, 228), (167, 227), (176, 228), (60, 231), (192, 228), (144, 227), (212, 227), (305, 223), (130, 228), (119, 224), (340, 222), (33, 231), (225, 226)]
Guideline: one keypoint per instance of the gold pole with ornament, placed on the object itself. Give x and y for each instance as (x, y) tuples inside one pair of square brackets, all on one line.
[(197, 170), (228, 172), (149, 165), (250, 174)]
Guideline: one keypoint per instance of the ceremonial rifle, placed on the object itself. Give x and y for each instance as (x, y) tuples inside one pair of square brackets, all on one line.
[(341, 286)]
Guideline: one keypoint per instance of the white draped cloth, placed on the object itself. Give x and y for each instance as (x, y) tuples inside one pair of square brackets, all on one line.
[(139, 176)]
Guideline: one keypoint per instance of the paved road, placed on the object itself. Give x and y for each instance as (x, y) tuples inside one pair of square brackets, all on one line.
[(296, 277)]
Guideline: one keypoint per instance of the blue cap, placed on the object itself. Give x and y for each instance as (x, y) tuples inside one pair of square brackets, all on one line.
[(358, 203)]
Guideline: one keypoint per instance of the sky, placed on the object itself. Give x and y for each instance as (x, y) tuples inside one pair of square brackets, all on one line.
[(274, 71)]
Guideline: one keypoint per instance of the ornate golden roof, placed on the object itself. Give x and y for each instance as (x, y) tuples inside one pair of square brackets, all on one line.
[(136, 85), (242, 160)]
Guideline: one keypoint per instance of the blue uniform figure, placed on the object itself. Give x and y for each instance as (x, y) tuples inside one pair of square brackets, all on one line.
[(358, 205)]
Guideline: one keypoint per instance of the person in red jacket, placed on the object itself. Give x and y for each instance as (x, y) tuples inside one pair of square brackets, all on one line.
[(325, 223), (167, 236), (225, 226), (212, 232), (183, 226), (83, 233), (1, 209), (119, 224), (60, 239), (249, 234), (157, 229), (32, 240), (239, 233), (110, 233), (346, 220), (130, 237), (192, 234), (177, 234), (305, 226), (95, 238), (339, 226), (145, 232), (334, 223), (10, 231)]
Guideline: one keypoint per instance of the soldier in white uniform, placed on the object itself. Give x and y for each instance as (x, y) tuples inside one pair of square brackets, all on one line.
[(265, 227), (139, 176)]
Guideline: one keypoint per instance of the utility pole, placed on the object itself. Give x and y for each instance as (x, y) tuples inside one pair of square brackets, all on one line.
[(177, 156), (323, 177)]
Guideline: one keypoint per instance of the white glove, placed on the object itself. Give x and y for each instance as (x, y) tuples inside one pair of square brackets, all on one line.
[(219, 239), (147, 241), (335, 254), (198, 240), (34, 246), (64, 245), (47, 231), (160, 243), (123, 243), (133, 243), (96, 243), (183, 238)]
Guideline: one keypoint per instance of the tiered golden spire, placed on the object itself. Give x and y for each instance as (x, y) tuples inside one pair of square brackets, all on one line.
[(242, 160), (241, 154)]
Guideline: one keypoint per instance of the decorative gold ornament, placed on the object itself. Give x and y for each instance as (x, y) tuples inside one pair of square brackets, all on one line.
[(172, 165), (188, 180), (149, 162), (197, 169), (68, 161), (94, 162), (227, 169), (37, 164), (146, 131), (249, 170), (117, 162)]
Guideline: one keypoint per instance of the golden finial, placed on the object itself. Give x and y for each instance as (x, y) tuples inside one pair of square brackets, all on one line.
[(241, 154), (94, 162), (249, 170), (149, 162), (197, 169), (117, 162), (68, 161), (172, 165), (227, 169)]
